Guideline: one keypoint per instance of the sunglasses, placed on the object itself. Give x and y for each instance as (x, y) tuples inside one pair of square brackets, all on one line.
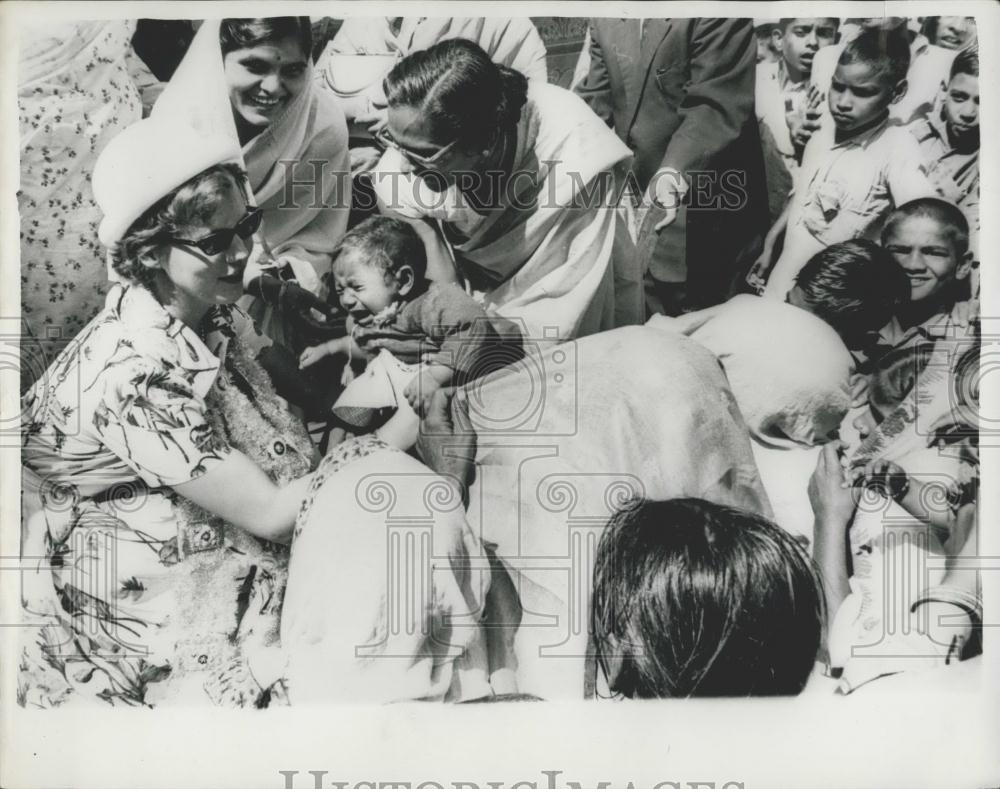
[(218, 241), (385, 140)]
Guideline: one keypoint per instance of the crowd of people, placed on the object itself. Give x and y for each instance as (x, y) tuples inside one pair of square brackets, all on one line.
[(355, 328)]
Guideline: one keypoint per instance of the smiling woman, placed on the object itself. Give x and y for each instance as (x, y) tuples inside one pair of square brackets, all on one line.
[(251, 79)]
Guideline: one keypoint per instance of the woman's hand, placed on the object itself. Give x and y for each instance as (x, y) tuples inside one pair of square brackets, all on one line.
[(446, 441)]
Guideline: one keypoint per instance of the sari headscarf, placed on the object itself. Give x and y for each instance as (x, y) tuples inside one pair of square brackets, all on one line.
[(558, 253), (297, 167)]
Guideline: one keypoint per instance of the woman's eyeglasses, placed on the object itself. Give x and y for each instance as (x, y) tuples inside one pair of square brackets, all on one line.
[(218, 241), (385, 140)]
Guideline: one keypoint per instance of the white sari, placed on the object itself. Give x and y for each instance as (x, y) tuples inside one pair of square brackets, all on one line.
[(557, 255)]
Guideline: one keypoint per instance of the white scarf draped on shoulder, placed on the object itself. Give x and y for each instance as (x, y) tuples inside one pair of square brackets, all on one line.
[(298, 166)]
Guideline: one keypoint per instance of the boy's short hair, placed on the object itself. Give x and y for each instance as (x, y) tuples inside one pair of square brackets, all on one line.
[(191, 204), (692, 598), (855, 286), (388, 244), (885, 51), (946, 214), (965, 62)]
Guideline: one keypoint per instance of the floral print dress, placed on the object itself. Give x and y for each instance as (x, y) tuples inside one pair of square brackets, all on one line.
[(74, 95), (153, 600)]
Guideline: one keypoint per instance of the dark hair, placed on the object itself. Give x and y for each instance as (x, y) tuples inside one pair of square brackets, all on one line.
[(886, 51), (246, 33), (946, 214), (855, 286), (785, 21), (388, 244), (693, 598), (190, 205), (965, 62), (455, 85)]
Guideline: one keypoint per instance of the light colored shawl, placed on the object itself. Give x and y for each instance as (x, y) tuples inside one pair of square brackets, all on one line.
[(567, 436), (789, 370), (555, 256), (384, 588), (311, 130)]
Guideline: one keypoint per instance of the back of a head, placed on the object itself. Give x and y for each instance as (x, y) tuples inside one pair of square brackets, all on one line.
[(692, 598), (887, 52), (464, 94), (235, 34), (965, 62), (855, 286)]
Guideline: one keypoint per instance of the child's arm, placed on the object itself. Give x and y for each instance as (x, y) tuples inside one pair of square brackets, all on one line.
[(345, 345), (418, 392), (757, 277)]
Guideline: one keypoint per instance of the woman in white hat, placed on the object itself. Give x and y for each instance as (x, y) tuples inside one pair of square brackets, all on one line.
[(163, 474), (251, 79)]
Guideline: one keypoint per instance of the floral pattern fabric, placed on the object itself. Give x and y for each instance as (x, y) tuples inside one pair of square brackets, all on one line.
[(74, 95), (155, 600)]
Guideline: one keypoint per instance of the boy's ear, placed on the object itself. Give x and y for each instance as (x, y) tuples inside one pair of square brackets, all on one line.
[(898, 91), (406, 279), (776, 38), (964, 267)]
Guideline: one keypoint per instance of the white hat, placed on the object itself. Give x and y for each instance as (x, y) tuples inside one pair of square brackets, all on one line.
[(148, 160)]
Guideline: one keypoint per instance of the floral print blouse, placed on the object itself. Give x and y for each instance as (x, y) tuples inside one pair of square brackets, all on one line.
[(126, 400)]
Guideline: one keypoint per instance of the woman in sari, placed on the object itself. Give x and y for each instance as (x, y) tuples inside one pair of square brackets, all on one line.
[(163, 475), (521, 183), (251, 79), (74, 94)]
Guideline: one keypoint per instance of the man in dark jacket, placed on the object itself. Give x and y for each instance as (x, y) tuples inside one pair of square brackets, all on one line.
[(680, 93)]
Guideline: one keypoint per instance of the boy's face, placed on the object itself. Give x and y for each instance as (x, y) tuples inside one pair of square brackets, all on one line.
[(859, 95), (961, 105), (954, 32), (802, 38), (362, 288), (928, 254)]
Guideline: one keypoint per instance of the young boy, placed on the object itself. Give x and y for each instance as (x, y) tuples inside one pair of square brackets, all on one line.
[(853, 173), (379, 272), (787, 110), (949, 141), (926, 75), (929, 238)]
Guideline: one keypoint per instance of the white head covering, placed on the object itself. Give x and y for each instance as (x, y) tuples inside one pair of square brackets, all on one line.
[(147, 161)]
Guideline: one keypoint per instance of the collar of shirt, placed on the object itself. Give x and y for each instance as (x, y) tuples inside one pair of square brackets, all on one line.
[(785, 83), (155, 332), (862, 139)]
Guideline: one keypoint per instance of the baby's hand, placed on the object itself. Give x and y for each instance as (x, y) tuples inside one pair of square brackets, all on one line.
[(419, 391), (312, 355)]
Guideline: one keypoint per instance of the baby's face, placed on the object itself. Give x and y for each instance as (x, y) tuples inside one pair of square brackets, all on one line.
[(927, 253), (362, 289)]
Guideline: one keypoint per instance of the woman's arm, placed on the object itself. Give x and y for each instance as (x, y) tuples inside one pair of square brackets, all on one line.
[(238, 491)]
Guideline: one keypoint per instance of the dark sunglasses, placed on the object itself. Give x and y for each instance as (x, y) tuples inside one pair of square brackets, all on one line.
[(218, 241)]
